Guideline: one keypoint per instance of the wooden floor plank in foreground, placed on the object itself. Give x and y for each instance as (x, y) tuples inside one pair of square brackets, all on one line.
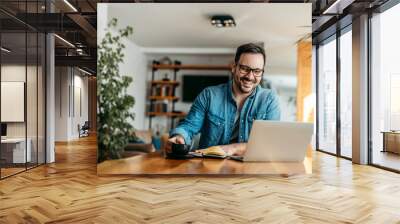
[(69, 191)]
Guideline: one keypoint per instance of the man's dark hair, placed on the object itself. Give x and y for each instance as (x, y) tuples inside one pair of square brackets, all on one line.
[(249, 48)]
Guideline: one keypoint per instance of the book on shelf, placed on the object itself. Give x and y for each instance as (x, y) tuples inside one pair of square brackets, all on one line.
[(159, 107), (162, 91)]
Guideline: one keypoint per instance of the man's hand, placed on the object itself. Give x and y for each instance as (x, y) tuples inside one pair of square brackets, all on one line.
[(177, 139)]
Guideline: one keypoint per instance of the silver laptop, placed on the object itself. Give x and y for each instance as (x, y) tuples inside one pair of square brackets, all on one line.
[(278, 141)]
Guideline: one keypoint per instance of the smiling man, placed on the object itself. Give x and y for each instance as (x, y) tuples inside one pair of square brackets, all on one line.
[(224, 114)]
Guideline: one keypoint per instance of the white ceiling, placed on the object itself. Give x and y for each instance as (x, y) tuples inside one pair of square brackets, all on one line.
[(187, 25)]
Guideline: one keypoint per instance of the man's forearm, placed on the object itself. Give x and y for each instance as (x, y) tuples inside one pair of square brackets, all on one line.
[(237, 149)]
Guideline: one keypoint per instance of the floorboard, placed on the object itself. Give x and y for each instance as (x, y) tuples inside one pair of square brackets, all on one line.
[(69, 191)]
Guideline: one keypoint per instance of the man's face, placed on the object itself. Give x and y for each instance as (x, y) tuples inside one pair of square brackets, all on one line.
[(247, 73)]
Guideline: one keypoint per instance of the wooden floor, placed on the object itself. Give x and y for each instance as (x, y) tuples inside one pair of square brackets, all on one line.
[(69, 191), (5, 172)]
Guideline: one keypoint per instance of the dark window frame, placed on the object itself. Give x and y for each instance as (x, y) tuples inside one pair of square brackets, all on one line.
[(340, 30)]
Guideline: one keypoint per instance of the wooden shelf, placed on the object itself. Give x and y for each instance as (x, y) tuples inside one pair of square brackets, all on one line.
[(160, 82), (168, 114), (172, 98), (193, 67)]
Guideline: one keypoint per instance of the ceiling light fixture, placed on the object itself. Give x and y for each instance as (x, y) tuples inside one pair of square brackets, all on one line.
[(337, 7), (5, 50), (84, 71), (223, 21), (79, 51), (64, 40), (70, 5)]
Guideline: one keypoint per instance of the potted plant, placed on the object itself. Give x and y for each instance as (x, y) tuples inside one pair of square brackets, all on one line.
[(114, 114)]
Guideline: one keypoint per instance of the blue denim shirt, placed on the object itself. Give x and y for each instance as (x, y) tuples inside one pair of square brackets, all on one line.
[(213, 115)]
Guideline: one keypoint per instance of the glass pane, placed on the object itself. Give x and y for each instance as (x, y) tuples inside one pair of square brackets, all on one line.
[(346, 94), (31, 98), (386, 89), (23, 89), (32, 6), (13, 86), (14, 5), (327, 96), (41, 98)]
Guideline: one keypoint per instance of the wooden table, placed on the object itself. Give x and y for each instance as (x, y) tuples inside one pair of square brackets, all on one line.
[(156, 164)]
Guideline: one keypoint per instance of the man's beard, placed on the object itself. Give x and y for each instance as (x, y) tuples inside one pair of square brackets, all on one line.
[(239, 84)]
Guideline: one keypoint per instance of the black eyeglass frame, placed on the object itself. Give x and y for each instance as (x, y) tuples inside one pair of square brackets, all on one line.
[(253, 70)]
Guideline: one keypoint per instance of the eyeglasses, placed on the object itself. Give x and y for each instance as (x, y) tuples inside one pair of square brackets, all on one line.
[(244, 69)]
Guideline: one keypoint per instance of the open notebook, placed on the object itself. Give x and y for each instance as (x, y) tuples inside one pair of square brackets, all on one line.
[(214, 152)]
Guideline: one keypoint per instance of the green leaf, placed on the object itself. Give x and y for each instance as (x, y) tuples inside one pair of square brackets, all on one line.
[(114, 104)]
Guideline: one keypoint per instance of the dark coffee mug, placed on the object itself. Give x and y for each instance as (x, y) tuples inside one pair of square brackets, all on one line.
[(180, 149)]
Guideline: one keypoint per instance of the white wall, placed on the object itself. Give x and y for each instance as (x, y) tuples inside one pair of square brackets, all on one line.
[(102, 20), (135, 65), (79, 115), (61, 103), (68, 81)]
